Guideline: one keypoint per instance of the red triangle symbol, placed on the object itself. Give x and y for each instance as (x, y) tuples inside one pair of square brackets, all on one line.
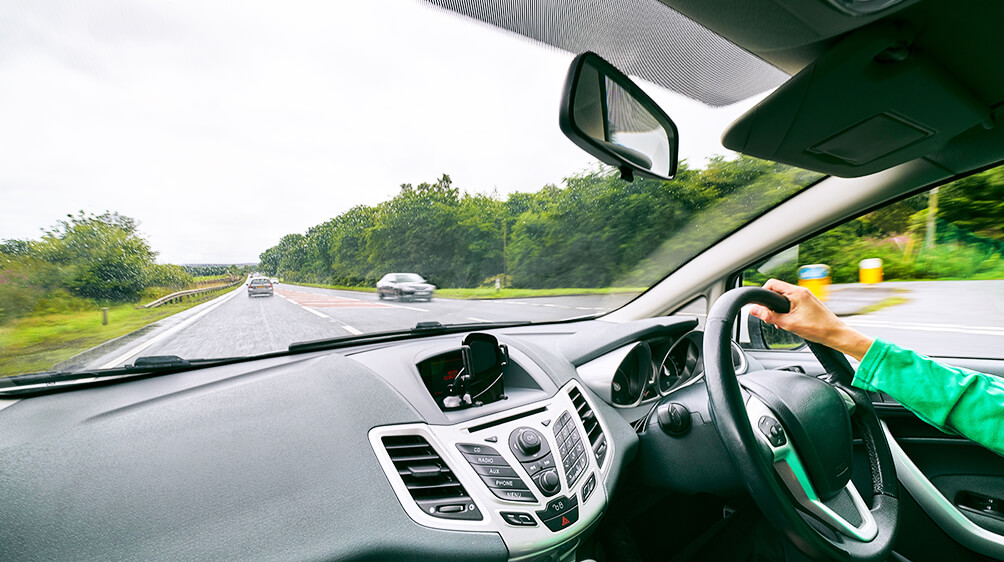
[(564, 521)]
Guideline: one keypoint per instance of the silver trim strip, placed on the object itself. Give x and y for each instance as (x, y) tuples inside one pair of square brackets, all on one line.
[(939, 509)]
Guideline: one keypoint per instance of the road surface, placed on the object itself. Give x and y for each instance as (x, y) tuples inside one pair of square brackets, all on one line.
[(235, 324), (954, 318)]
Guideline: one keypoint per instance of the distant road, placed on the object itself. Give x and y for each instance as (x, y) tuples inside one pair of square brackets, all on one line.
[(960, 318), (235, 324)]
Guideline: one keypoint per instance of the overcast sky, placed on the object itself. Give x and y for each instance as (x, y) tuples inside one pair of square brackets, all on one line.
[(222, 127)]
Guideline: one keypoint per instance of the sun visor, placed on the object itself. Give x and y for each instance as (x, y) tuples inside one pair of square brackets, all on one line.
[(871, 102)]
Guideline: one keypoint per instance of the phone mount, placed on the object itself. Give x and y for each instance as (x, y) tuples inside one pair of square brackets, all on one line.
[(480, 380)]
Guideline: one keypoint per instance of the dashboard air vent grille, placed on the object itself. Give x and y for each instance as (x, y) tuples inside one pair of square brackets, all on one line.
[(592, 425), (429, 480)]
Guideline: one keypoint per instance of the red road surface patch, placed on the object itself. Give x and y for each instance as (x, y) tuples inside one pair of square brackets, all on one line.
[(317, 300)]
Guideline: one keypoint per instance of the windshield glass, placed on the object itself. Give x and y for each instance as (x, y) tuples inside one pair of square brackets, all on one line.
[(160, 156)]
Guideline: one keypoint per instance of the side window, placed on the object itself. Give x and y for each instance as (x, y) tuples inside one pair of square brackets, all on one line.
[(926, 273)]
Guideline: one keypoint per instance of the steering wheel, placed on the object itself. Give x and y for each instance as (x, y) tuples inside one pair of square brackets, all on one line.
[(789, 437)]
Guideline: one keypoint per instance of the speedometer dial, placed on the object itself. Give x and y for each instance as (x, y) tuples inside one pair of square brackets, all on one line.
[(684, 363), (669, 377)]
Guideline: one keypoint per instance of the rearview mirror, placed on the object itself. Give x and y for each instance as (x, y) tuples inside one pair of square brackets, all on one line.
[(608, 116)]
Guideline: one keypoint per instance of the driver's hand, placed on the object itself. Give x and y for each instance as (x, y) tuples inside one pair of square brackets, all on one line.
[(810, 319)]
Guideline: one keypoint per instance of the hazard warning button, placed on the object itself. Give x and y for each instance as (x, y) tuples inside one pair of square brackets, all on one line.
[(563, 521)]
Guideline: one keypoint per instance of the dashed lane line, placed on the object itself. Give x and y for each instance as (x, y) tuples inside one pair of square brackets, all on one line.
[(408, 307), (477, 319), (314, 312), (350, 329)]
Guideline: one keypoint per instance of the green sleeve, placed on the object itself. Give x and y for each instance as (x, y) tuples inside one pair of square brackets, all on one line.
[(950, 398)]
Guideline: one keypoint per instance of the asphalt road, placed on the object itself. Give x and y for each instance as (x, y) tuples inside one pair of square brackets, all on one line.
[(941, 318), (236, 324), (963, 319)]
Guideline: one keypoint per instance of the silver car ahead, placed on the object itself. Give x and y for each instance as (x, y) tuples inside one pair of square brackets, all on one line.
[(409, 286), (260, 286)]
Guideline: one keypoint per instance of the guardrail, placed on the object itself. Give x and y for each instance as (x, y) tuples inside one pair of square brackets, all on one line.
[(177, 297)]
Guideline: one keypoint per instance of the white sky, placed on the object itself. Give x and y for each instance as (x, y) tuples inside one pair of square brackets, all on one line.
[(222, 127)]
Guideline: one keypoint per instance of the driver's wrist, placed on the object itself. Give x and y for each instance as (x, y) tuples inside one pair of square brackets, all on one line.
[(852, 342)]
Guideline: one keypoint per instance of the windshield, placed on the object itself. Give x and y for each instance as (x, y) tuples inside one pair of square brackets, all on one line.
[(160, 156)]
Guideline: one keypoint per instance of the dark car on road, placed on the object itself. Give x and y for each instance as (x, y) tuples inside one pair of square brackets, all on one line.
[(405, 286), (260, 286)]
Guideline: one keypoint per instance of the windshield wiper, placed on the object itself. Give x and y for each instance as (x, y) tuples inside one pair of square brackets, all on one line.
[(34, 384), (421, 330), (148, 366)]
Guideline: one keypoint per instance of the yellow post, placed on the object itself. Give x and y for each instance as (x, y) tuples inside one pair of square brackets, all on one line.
[(816, 278), (870, 271)]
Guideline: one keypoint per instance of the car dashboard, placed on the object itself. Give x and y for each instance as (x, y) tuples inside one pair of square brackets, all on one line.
[(342, 454)]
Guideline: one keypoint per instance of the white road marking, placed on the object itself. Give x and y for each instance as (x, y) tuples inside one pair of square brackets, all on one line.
[(170, 332), (477, 319), (351, 330), (923, 327), (312, 311), (409, 307), (280, 296)]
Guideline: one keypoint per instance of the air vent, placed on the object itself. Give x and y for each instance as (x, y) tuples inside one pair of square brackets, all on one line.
[(592, 425), (429, 480)]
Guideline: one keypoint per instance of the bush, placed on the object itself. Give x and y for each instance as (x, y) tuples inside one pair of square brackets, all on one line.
[(168, 276)]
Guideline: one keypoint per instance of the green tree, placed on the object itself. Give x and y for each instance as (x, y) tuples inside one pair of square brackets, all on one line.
[(104, 255)]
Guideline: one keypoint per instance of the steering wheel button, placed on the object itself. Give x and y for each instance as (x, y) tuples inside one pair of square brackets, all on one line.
[(772, 430)]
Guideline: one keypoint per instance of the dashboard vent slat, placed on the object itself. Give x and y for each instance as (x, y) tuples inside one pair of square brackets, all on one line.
[(428, 478), (596, 438)]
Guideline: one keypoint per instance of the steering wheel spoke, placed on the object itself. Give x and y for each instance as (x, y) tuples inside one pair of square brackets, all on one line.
[(789, 467)]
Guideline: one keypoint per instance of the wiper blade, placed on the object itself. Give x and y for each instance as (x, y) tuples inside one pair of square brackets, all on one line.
[(421, 330), (142, 367)]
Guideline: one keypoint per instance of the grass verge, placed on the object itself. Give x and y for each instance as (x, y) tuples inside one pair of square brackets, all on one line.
[(491, 293), (36, 343), (885, 303)]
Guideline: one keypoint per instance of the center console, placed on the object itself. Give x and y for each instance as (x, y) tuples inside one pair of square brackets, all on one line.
[(534, 474)]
